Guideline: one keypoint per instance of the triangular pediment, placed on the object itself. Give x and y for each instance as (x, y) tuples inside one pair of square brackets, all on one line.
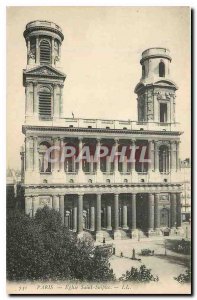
[(161, 83), (46, 71)]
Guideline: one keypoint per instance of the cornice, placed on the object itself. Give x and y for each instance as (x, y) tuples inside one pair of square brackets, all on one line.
[(25, 128), (36, 28), (101, 185)]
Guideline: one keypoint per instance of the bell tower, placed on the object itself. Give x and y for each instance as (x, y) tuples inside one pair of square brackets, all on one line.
[(42, 78), (156, 91)]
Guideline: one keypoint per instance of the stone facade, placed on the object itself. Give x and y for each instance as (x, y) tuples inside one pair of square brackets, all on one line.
[(111, 200)]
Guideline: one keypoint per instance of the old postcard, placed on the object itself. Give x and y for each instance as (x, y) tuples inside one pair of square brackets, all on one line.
[(98, 150)]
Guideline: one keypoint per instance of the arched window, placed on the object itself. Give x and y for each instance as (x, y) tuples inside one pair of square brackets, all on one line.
[(163, 159), (45, 52), (161, 69), (45, 103), (44, 157)]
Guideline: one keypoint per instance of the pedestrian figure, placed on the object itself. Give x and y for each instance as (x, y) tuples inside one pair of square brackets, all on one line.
[(121, 254), (103, 240), (114, 251), (133, 255)]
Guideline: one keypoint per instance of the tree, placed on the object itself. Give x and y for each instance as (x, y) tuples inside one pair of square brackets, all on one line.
[(184, 277), (141, 275), (41, 248)]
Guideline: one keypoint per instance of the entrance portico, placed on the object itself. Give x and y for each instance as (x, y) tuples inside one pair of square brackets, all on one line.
[(116, 215)]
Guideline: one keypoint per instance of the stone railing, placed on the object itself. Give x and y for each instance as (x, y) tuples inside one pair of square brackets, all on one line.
[(119, 124)]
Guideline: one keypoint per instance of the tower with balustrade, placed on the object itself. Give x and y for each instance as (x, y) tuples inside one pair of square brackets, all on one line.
[(115, 200)]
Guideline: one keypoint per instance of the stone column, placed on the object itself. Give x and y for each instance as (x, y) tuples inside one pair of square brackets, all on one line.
[(124, 165), (150, 211), (156, 212), (29, 153), (116, 157), (74, 216), (36, 155), (98, 212), (108, 164), (55, 101), (172, 155), (156, 157), (98, 147), (133, 141), (56, 154), (109, 216), (92, 216), (61, 162), (133, 212), (28, 206), (61, 207), (28, 50), (35, 99), (91, 164), (52, 50), (80, 160), (61, 100), (34, 205), (173, 210), (178, 203), (116, 212), (55, 202), (177, 155), (37, 51), (80, 214), (124, 215), (151, 155)]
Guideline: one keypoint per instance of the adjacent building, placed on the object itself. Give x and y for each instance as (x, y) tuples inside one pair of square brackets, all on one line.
[(107, 199)]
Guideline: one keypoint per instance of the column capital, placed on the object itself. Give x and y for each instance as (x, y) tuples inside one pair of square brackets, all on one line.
[(151, 141), (80, 194), (133, 194), (157, 195), (56, 139), (116, 194)]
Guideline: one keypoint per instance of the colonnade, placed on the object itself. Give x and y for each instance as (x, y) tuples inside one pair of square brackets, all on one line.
[(32, 155), (111, 211)]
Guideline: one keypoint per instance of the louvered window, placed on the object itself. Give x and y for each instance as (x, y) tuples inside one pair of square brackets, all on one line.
[(45, 53), (45, 111)]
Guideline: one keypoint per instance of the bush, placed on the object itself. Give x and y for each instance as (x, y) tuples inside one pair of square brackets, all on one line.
[(183, 247), (184, 277), (141, 275), (146, 252), (41, 248)]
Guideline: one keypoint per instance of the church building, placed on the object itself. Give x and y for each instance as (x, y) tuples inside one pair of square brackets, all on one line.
[(111, 199)]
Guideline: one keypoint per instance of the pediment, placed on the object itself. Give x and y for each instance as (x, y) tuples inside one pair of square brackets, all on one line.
[(164, 82), (46, 71)]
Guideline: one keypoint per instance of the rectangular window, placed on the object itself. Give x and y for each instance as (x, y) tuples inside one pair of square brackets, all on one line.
[(163, 112)]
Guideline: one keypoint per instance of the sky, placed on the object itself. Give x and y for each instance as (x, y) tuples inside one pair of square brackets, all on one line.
[(101, 55)]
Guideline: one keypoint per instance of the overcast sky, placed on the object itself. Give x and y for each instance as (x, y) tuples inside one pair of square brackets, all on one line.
[(100, 56)]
